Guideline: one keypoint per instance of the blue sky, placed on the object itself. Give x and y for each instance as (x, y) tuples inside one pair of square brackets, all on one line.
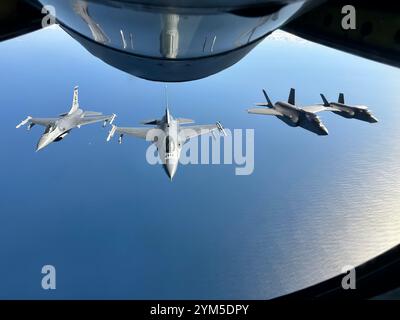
[(116, 227)]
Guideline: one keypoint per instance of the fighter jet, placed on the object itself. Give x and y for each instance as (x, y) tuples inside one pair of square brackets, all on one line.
[(58, 127), (350, 112), (293, 116), (169, 136)]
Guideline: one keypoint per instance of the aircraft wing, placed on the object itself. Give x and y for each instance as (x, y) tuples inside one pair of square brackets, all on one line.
[(189, 132), (317, 108), (135, 132), (265, 111), (92, 118), (40, 121), (360, 107)]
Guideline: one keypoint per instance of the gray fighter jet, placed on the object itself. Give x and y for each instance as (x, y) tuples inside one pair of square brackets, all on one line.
[(58, 127), (169, 136), (293, 116), (358, 112)]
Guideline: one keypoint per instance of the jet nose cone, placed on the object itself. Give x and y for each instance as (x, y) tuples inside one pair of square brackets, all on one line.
[(373, 119), (170, 169), (324, 131), (43, 142)]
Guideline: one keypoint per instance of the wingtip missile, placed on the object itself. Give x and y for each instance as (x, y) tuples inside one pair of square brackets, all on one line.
[(109, 120), (111, 133), (221, 128), (113, 118), (23, 122)]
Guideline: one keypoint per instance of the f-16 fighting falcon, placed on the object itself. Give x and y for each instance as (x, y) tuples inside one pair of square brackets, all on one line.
[(351, 112), (168, 135), (293, 116), (58, 127)]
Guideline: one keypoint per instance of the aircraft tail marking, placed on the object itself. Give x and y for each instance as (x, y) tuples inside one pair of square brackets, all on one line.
[(75, 101)]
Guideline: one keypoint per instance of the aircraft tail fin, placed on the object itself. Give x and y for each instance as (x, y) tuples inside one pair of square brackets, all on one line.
[(291, 99), (167, 113), (75, 101), (269, 105), (341, 98), (150, 122), (326, 103)]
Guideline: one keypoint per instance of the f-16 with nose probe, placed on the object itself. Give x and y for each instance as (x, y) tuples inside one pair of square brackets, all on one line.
[(58, 128), (169, 135)]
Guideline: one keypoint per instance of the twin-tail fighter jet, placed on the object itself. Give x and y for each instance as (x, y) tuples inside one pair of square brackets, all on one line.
[(306, 117), (292, 115), (359, 112)]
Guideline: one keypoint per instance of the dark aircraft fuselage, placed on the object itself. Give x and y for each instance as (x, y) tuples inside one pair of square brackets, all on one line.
[(296, 117), (354, 112)]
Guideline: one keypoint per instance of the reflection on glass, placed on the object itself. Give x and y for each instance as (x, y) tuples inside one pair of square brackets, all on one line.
[(169, 38), (81, 8), (168, 43)]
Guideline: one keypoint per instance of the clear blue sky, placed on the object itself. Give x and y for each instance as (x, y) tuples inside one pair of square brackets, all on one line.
[(116, 227)]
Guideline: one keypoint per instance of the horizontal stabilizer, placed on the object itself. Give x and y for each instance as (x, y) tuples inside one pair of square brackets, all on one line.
[(184, 121), (265, 111), (150, 122), (263, 104), (92, 113)]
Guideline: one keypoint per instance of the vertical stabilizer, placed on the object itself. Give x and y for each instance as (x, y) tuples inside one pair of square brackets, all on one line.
[(270, 105), (341, 98), (167, 113), (326, 103), (291, 99), (75, 101)]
